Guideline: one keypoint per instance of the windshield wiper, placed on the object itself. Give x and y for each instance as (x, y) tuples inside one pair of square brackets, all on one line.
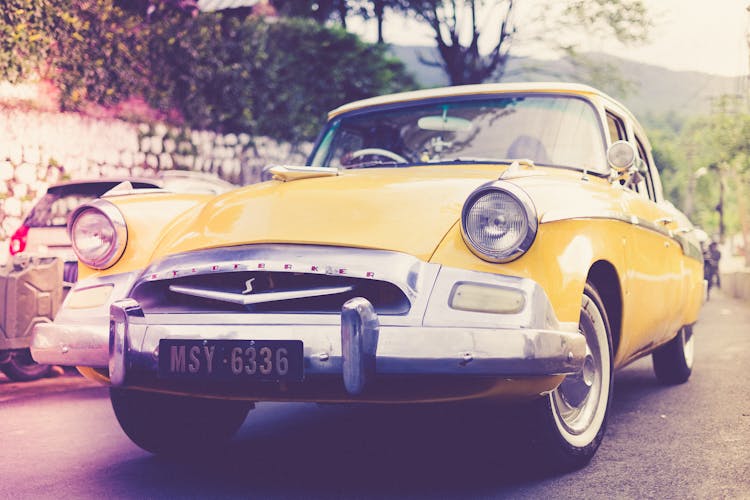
[(472, 159), (377, 163)]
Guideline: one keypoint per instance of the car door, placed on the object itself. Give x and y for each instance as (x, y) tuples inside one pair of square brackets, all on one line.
[(655, 258)]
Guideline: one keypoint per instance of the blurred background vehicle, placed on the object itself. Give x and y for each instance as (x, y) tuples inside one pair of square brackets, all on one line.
[(44, 231), (32, 277)]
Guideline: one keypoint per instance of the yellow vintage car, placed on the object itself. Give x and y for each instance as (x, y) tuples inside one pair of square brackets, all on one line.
[(502, 242)]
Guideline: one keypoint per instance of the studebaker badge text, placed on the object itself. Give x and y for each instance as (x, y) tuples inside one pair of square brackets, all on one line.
[(267, 266)]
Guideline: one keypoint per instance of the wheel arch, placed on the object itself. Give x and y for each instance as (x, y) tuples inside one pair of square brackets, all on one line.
[(604, 277)]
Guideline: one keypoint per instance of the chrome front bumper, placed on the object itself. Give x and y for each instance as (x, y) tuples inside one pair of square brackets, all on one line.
[(356, 345)]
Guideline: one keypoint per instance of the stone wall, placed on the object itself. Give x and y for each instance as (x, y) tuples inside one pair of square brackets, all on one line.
[(39, 148)]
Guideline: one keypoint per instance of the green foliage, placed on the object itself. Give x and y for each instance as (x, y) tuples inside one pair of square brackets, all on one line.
[(202, 67), (668, 159), (24, 38), (225, 73), (303, 60), (99, 52), (705, 165), (460, 27)]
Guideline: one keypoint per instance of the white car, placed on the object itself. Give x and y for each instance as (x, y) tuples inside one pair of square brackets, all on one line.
[(44, 233)]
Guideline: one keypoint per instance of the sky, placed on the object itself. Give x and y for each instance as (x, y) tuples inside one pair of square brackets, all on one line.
[(694, 35)]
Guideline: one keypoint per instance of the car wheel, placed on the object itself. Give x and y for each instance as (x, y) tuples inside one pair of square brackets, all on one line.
[(673, 362), (571, 420), (169, 425), (21, 367)]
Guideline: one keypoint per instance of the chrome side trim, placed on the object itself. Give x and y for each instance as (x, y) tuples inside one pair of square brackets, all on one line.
[(258, 298), (561, 214), (689, 248)]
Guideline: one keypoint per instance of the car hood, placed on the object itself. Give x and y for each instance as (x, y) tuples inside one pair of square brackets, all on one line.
[(406, 210)]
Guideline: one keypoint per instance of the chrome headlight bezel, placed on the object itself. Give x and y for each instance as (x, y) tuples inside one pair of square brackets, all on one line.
[(526, 206), (112, 222)]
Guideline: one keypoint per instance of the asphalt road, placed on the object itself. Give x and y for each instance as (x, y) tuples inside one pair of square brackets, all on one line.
[(59, 439)]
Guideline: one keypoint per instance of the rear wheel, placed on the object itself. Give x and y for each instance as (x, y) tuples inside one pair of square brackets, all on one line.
[(571, 420), (168, 424), (21, 367), (673, 362)]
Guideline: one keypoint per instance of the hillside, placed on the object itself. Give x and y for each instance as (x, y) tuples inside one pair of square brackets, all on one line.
[(650, 90)]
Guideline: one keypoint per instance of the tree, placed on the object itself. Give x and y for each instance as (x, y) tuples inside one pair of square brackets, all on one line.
[(320, 11), (99, 53), (710, 168), (306, 70), (337, 11), (209, 71), (25, 38), (461, 26)]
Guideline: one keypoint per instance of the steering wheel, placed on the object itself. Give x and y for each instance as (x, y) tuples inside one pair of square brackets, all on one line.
[(378, 152)]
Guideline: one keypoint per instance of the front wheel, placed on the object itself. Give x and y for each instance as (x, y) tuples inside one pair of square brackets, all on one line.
[(170, 425), (571, 420), (21, 367), (673, 362)]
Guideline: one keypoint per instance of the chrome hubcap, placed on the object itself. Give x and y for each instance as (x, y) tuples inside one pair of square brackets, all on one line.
[(575, 388), (579, 403)]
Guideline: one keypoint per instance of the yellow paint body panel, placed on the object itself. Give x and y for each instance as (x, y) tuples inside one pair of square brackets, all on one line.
[(373, 208)]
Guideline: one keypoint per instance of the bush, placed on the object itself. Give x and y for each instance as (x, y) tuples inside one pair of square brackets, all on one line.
[(211, 71)]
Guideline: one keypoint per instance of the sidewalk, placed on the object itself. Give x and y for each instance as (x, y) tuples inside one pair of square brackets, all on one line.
[(735, 276), (68, 381)]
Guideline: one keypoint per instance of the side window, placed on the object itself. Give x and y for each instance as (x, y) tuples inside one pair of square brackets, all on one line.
[(616, 128), (646, 170)]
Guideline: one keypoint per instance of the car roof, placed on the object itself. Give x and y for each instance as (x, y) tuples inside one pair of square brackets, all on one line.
[(463, 90), (200, 180), (98, 187), (60, 186)]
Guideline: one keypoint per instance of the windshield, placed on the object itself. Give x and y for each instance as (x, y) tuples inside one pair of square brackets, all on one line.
[(550, 130)]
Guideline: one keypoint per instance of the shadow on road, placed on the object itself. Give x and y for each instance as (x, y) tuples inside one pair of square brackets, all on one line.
[(451, 450), (460, 450)]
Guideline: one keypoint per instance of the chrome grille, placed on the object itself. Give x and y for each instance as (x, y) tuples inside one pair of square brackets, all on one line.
[(266, 292)]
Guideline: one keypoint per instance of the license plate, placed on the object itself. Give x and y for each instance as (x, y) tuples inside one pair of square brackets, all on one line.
[(231, 359)]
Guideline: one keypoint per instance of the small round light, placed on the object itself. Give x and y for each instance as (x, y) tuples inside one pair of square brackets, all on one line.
[(98, 236), (621, 155), (499, 222)]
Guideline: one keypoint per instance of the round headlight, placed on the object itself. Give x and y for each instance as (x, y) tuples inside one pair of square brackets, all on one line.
[(499, 222), (97, 233)]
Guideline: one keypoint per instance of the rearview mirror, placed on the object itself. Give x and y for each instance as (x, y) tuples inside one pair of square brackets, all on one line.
[(444, 124)]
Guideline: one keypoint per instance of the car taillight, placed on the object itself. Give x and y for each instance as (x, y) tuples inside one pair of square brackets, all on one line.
[(18, 240)]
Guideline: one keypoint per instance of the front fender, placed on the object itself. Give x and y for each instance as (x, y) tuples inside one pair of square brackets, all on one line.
[(559, 259), (147, 217)]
